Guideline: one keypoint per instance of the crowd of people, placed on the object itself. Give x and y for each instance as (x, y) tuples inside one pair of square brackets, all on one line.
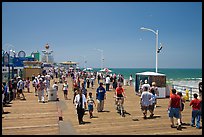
[(83, 99)]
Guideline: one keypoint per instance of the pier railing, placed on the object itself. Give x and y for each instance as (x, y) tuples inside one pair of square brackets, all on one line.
[(186, 91)]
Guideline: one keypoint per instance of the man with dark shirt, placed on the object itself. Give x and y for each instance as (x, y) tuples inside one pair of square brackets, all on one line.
[(100, 96)]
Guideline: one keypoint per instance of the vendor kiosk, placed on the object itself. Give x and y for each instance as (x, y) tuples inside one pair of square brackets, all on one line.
[(159, 78), (31, 67)]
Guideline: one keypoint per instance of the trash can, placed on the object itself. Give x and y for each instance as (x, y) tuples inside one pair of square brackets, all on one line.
[(52, 94)]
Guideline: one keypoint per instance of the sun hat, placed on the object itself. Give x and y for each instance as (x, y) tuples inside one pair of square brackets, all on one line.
[(153, 83)]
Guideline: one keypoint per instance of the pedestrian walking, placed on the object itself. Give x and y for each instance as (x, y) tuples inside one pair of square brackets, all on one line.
[(20, 88), (173, 109), (74, 89), (152, 102), (99, 78), (27, 84), (92, 81), (182, 106), (145, 101), (3, 95), (155, 91), (90, 102), (107, 82), (83, 89), (100, 96), (35, 83), (130, 79), (196, 113), (41, 88), (80, 103), (47, 83), (10, 87), (65, 89), (55, 86), (14, 85), (115, 84), (146, 84)]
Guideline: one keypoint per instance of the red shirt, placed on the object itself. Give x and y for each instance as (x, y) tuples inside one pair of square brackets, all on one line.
[(175, 101), (195, 104), (119, 90)]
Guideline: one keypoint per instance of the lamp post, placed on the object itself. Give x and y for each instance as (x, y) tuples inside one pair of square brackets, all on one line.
[(102, 58), (47, 52), (12, 75), (9, 59), (156, 33)]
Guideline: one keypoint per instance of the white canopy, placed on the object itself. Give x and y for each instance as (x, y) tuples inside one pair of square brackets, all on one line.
[(88, 69), (150, 74), (106, 70)]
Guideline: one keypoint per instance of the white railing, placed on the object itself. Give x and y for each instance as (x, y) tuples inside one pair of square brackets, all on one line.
[(186, 91)]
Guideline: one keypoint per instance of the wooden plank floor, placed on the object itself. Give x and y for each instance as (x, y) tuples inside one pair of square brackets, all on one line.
[(110, 122), (31, 117)]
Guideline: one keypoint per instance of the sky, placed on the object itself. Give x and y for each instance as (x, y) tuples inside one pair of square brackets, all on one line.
[(75, 30)]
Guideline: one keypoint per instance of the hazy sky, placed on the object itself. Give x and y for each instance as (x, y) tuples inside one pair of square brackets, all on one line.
[(75, 30)]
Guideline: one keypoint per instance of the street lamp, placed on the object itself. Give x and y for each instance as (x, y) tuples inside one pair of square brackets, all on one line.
[(102, 58), (14, 55), (156, 33), (47, 52), (9, 59)]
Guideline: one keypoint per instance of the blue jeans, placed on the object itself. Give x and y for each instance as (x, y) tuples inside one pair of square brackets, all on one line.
[(107, 87), (174, 112), (196, 115)]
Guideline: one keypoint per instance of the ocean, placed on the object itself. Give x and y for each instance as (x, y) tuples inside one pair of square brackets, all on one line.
[(180, 76)]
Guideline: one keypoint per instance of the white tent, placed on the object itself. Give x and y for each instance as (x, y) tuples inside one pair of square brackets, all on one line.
[(106, 70), (159, 78), (88, 69), (150, 74)]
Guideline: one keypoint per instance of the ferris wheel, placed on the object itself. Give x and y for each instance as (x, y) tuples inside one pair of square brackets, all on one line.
[(21, 54)]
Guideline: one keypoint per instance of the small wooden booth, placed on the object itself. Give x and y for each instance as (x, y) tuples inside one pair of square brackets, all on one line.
[(69, 64), (159, 78), (31, 67)]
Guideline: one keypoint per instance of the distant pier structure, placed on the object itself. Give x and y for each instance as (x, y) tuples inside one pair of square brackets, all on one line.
[(47, 56)]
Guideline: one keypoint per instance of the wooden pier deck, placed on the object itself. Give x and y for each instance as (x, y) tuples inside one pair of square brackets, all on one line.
[(32, 118)]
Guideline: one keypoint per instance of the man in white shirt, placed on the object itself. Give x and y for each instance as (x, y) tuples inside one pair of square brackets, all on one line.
[(107, 82), (80, 103), (145, 101), (146, 84)]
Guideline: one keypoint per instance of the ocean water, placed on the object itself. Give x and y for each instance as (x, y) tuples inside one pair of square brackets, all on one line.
[(171, 74), (177, 76)]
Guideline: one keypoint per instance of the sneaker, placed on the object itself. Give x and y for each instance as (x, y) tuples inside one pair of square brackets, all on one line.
[(43, 101), (179, 127), (192, 125), (172, 126), (151, 115), (145, 117)]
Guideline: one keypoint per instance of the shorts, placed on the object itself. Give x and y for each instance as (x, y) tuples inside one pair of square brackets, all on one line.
[(65, 92), (20, 91), (90, 107), (144, 108), (174, 112), (151, 107)]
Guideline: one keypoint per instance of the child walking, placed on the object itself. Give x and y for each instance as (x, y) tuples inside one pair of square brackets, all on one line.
[(90, 102), (65, 89)]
